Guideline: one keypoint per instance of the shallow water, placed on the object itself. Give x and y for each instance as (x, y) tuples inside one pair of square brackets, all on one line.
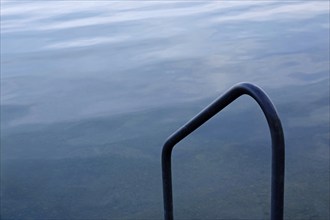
[(90, 91)]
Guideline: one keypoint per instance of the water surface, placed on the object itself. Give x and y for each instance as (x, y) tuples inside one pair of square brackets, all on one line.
[(90, 91)]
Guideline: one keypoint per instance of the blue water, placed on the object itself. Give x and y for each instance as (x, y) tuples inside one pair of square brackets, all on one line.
[(91, 89)]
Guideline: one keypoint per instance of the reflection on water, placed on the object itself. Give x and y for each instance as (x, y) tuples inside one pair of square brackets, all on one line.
[(90, 91)]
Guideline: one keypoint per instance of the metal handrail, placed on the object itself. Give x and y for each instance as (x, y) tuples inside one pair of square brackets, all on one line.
[(276, 131)]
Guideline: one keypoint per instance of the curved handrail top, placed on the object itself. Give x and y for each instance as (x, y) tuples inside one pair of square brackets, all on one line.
[(220, 103)]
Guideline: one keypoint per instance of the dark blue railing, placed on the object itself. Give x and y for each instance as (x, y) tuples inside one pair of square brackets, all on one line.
[(278, 154)]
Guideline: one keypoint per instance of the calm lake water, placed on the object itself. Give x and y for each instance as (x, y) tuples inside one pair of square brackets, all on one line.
[(91, 89)]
